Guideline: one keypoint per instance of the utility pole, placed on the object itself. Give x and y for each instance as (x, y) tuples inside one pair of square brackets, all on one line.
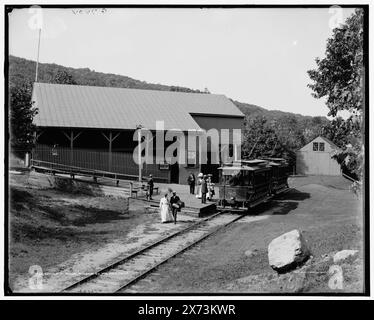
[(37, 58), (139, 128)]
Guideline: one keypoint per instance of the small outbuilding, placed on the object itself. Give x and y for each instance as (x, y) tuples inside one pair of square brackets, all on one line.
[(315, 158)]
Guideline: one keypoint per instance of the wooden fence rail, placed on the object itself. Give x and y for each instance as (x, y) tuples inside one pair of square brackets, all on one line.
[(97, 161)]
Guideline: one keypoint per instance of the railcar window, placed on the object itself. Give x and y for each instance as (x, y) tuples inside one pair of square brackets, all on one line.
[(260, 177), (246, 179), (235, 180)]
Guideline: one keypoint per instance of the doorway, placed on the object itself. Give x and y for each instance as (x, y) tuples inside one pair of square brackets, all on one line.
[(174, 173)]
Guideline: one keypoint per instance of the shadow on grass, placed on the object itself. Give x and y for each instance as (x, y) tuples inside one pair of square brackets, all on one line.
[(285, 207), (293, 194), (281, 208)]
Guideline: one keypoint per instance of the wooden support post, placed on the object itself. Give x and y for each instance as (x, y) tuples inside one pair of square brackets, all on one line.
[(110, 151), (71, 146), (110, 139), (37, 135), (71, 138)]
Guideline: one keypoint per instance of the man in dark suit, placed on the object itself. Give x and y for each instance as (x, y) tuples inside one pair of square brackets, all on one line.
[(150, 186), (174, 203), (204, 190), (191, 183)]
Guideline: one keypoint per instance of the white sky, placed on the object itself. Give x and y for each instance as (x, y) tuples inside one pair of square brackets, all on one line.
[(257, 56)]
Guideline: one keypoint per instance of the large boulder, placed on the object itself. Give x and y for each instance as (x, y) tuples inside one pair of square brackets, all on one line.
[(288, 251), (345, 254)]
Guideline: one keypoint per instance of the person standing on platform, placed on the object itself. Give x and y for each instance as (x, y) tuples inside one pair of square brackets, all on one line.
[(191, 183), (210, 186), (150, 186), (199, 179), (165, 213), (174, 203), (204, 189)]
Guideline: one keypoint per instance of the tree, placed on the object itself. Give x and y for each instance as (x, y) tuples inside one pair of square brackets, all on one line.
[(339, 78), (259, 138), (339, 131), (63, 77), (289, 132), (311, 128), (342, 133), (22, 113)]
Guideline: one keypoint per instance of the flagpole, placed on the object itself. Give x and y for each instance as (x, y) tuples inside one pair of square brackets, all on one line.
[(37, 59)]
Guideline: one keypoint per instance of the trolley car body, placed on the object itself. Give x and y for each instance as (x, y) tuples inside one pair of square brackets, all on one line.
[(279, 175), (245, 184)]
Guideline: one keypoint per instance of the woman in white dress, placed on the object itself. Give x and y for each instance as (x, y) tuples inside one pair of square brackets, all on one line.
[(165, 213), (198, 191)]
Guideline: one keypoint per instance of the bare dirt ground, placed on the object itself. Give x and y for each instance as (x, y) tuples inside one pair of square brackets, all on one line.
[(235, 259), (71, 235)]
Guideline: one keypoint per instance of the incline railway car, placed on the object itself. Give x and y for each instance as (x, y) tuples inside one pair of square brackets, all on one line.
[(244, 184), (279, 175)]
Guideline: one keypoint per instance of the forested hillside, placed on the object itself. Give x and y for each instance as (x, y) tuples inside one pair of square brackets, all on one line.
[(21, 70)]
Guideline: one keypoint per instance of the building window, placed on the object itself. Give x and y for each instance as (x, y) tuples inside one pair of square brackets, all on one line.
[(321, 146), (191, 159), (315, 146)]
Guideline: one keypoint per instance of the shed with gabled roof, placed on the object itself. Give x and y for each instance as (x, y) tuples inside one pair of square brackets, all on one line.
[(316, 158)]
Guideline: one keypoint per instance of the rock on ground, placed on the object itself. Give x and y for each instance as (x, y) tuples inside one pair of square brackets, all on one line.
[(345, 254), (287, 251), (251, 252)]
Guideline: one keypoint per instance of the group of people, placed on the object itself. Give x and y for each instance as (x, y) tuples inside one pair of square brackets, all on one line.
[(205, 186), (171, 204), (169, 207)]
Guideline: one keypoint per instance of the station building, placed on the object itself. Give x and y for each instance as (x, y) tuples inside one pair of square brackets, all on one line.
[(95, 128)]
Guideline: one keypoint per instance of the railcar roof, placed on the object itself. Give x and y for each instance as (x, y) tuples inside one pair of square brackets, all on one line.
[(276, 164), (254, 161), (243, 168)]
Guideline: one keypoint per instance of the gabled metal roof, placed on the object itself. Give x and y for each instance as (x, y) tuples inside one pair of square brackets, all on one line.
[(246, 165), (332, 144), (122, 108)]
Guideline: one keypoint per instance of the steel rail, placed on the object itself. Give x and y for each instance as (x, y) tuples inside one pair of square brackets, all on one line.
[(145, 273), (138, 252)]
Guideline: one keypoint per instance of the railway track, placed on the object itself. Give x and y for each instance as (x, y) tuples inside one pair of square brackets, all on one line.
[(126, 272)]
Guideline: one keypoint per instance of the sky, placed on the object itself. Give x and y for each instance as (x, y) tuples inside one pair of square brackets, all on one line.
[(253, 55)]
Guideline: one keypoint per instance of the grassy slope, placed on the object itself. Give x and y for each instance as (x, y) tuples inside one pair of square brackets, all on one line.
[(47, 227)]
